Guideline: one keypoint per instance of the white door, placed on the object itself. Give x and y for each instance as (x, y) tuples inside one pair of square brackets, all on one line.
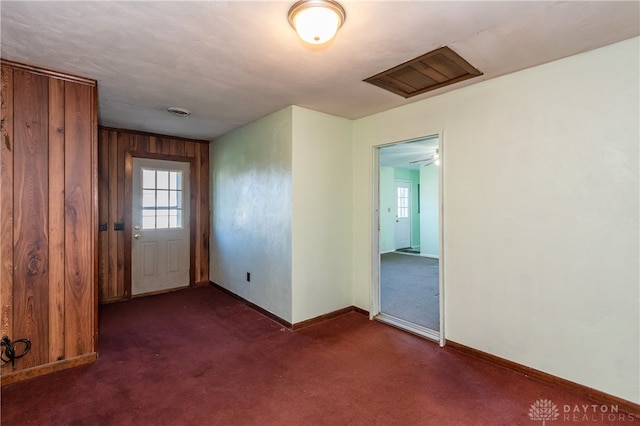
[(403, 214), (160, 214)]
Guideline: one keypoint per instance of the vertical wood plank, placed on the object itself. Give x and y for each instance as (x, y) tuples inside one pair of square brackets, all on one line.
[(177, 147), (205, 216), (94, 219), (142, 143), (119, 211), (189, 149), (123, 146), (103, 214), (196, 223), (6, 210), (133, 142), (56, 220), (152, 145), (79, 242), (159, 145), (128, 187), (30, 190), (165, 148), (113, 215)]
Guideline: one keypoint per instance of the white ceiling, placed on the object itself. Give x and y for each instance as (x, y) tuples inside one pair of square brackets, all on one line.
[(236, 61), (409, 154)]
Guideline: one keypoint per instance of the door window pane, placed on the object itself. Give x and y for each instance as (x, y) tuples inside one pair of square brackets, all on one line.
[(162, 219), (403, 202), (148, 219), (161, 199), (174, 218), (148, 178), (148, 198), (162, 177), (175, 180)]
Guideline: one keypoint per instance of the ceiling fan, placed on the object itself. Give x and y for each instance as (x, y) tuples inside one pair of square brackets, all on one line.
[(432, 159)]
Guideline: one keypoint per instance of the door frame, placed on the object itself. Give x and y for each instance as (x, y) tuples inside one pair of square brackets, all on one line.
[(128, 213), (375, 313)]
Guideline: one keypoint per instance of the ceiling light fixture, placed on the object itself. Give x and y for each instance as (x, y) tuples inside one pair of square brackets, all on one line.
[(316, 21), (180, 112)]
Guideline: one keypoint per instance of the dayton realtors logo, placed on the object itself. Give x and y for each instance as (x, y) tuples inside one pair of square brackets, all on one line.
[(545, 410)]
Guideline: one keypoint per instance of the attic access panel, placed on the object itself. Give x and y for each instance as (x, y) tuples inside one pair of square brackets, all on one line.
[(433, 70)]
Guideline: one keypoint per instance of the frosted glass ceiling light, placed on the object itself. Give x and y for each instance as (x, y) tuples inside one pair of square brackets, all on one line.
[(316, 21)]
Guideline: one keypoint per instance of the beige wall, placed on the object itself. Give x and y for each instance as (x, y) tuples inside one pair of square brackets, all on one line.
[(321, 223), (540, 216), (251, 212), (280, 215)]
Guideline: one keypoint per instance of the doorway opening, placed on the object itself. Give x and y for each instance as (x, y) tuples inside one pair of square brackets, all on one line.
[(407, 245)]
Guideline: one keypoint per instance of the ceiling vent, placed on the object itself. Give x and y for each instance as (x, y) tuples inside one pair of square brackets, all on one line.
[(430, 71), (179, 112)]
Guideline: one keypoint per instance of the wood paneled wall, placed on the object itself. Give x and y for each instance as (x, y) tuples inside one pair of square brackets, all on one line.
[(48, 218), (116, 150)]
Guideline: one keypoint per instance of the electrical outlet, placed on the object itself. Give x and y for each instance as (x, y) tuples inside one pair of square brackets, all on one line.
[(248, 277)]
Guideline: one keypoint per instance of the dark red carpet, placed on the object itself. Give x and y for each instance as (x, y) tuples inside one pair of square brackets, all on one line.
[(198, 357)]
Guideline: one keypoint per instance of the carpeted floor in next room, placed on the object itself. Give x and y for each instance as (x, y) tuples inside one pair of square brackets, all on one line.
[(409, 289), (199, 357)]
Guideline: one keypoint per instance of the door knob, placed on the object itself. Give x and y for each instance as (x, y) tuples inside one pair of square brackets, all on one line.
[(137, 227), (137, 236)]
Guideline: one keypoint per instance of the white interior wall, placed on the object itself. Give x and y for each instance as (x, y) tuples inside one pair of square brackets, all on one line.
[(321, 229), (429, 211), (541, 214), (251, 212)]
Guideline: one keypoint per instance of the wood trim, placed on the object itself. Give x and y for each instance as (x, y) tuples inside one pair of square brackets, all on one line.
[(94, 167), (152, 135), (116, 245), (194, 195), (298, 325), (41, 370), (47, 163), (6, 195), (330, 315), (252, 305), (79, 219), (157, 292), (57, 222), (584, 391), (125, 240), (31, 205), (49, 73), (128, 210), (103, 217), (204, 213), (361, 311)]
